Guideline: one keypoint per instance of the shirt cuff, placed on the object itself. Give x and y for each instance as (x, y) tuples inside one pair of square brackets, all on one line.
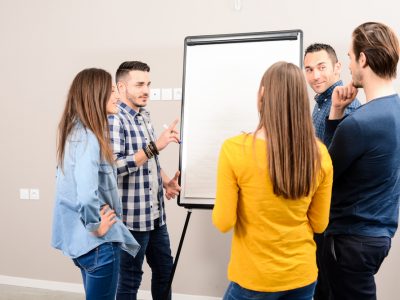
[(91, 226), (331, 125), (330, 128), (126, 165)]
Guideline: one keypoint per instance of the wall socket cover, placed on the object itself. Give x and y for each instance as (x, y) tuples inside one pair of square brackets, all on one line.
[(166, 94), (155, 94), (177, 94), (24, 194), (34, 194)]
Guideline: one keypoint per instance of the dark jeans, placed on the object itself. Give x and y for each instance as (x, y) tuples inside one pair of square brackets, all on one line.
[(236, 292), (155, 246), (322, 291), (99, 269), (351, 262)]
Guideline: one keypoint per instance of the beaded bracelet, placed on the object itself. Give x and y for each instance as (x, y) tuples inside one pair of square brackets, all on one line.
[(148, 152), (153, 148)]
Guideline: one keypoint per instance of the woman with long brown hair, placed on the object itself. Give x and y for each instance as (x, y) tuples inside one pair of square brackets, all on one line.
[(86, 222), (274, 189)]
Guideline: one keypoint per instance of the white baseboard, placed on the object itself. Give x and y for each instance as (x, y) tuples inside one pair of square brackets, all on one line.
[(78, 288), (42, 284)]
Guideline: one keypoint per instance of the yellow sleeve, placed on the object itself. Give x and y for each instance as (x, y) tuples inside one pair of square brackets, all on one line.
[(224, 212), (318, 212)]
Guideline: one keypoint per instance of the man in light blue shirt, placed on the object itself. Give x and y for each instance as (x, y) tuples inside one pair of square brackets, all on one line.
[(322, 72)]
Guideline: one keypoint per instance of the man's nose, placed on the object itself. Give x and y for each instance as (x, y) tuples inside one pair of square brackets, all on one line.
[(317, 74)]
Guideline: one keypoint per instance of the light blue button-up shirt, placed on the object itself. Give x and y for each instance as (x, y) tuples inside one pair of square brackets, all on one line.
[(322, 109), (84, 185)]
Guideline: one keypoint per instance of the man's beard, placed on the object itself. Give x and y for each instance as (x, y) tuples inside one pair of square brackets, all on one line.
[(357, 84), (133, 101), (357, 79)]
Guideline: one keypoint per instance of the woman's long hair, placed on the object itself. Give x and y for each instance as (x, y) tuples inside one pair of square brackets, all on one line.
[(292, 150), (86, 102)]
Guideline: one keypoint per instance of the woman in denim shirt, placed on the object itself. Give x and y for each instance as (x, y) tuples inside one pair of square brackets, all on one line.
[(87, 222)]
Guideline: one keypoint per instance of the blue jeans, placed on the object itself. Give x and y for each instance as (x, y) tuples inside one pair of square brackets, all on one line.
[(155, 246), (99, 268), (236, 292)]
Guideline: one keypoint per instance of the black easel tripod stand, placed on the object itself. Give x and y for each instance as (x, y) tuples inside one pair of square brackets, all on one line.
[(171, 278)]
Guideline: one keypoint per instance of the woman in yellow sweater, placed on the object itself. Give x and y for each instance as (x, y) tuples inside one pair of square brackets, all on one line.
[(274, 188)]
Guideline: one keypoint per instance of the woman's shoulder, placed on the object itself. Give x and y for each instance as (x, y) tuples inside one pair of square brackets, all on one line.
[(84, 138), (240, 139), (82, 134), (326, 161), (237, 147)]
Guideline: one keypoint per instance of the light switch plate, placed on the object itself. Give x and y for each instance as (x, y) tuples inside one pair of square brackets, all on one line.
[(155, 94), (34, 194), (166, 94), (177, 94), (24, 194)]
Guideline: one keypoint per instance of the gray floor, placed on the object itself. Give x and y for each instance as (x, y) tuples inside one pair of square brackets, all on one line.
[(9, 292)]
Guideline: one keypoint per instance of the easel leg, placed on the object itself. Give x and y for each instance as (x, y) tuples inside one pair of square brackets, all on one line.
[(171, 278)]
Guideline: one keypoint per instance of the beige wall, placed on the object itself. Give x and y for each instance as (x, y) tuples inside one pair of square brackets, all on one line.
[(44, 43)]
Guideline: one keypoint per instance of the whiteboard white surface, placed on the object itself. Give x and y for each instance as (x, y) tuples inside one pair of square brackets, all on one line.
[(220, 88)]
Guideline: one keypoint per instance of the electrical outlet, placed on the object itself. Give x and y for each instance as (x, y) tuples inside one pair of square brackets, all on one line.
[(24, 194), (166, 94), (155, 94), (34, 194), (177, 94)]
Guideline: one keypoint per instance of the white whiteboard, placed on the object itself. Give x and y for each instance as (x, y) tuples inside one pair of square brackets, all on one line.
[(222, 74)]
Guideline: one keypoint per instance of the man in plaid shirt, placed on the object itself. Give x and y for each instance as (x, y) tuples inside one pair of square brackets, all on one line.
[(141, 181), (322, 71)]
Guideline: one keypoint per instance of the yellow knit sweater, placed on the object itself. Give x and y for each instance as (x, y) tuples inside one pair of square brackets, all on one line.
[(272, 246)]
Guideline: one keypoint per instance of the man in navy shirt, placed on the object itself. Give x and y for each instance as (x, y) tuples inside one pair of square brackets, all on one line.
[(365, 148), (322, 72)]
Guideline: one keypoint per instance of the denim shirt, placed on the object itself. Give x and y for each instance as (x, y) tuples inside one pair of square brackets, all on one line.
[(84, 185), (323, 107)]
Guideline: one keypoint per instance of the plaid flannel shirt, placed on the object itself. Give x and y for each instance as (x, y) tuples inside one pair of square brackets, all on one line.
[(323, 107), (135, 183)]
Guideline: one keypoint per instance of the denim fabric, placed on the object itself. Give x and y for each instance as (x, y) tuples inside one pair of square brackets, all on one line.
[(236, 292), (351, 263), (99, 269), (155, 246), (323, 107), (84, 184)]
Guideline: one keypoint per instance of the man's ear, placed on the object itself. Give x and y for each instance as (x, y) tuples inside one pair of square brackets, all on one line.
[(337, 68), (362, 60), (120, 85)]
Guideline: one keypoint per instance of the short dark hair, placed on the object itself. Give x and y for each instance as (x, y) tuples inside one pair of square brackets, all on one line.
[(380, 46), (128, 66), (316, 47)]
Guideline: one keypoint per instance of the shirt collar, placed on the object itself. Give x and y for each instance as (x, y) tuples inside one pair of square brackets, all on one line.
[(132, 112), (320, 98)]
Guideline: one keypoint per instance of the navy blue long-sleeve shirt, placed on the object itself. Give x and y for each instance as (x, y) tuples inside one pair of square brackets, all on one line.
[(365, 151)]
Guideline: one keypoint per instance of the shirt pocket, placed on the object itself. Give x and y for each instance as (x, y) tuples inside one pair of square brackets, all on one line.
[(107, 180)]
